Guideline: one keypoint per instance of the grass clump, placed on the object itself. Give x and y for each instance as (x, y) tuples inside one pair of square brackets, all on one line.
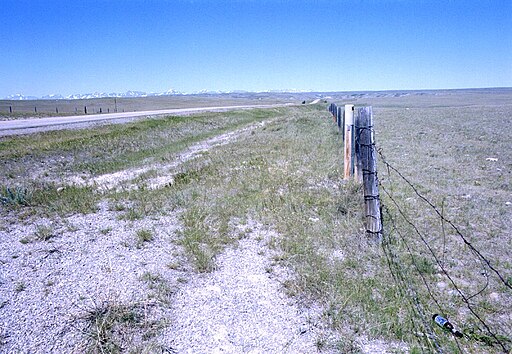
[(160, 286), (43, 233), (48, 199), (197, 240), (107, 325), (67, 200), (143, 236)]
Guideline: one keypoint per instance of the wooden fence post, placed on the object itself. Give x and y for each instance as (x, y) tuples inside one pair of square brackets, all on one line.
[(369, 169), (349, 127), (338, 117), (358, 128), (10, 109)]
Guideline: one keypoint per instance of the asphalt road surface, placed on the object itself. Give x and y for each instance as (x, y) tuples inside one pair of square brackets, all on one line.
[(28, 126)]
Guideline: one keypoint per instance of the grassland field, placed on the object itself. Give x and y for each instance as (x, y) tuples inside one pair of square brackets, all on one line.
[(281, 168), (52, 107)]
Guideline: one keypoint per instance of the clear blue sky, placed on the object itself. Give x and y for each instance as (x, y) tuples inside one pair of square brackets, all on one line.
[(82, 46)]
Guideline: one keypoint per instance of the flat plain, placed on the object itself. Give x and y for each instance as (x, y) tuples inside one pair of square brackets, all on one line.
[(107, 231)]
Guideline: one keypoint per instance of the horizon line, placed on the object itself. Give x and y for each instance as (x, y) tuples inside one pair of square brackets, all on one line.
[(220, 92)]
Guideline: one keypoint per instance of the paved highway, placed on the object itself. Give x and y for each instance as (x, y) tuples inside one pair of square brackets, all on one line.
[(27, 126)]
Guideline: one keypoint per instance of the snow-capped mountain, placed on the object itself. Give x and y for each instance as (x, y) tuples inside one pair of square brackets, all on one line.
[(20, 97), (52, 97), (170, 92), (82, 96)]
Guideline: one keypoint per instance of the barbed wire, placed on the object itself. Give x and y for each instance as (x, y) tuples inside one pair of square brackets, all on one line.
[(449, 222), (484, 260), (395, 267), (412, 295)]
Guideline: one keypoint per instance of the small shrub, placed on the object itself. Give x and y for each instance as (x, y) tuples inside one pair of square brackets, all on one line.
[(15, 196)]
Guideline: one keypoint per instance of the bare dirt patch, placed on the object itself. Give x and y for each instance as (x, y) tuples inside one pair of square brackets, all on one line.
[(241, 308)]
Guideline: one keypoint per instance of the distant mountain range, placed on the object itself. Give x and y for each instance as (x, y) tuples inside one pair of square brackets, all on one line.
[(171, 92)]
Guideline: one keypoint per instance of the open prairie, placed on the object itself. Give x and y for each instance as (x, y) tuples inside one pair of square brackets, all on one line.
[(235, 231), (45, 108)]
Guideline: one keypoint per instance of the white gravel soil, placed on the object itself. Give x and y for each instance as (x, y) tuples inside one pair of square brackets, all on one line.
[(240, 308), (47, 287)]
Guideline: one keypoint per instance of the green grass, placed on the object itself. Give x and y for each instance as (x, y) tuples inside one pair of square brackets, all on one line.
[(101, 150), (65, 200), (51, 199)]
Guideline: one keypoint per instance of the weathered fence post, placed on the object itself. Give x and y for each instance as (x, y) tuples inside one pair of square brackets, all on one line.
[(334, 110), (358, 127), (348, 137), (10, 109), (369, 168), (85, 109), (338, 117), (35, 109)]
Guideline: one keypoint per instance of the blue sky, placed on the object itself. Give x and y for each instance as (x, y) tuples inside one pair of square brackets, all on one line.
[(78, 46)]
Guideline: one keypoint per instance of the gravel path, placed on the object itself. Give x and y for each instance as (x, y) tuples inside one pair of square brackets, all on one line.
[(166, 171), (240, 308)]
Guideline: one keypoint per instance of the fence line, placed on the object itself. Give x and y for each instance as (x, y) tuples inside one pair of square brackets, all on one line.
[(364, 158), (360, 159)]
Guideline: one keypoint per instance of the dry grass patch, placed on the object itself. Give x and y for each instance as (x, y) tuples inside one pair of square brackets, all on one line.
[(111, 327)]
